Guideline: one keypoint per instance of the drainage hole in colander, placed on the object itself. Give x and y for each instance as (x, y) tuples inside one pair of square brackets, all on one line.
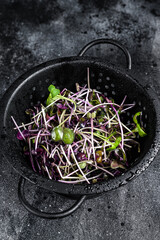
[(100, 74), (47, 80), (139, 103), (113, 93), (145, 116), (98, 87), (112, 85), (99, 80), (31, 96), (107, 78), (34, 88), (106, 87), (105, 94)]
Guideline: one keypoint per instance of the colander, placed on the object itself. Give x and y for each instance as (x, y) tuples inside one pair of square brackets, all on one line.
[(32, 88)]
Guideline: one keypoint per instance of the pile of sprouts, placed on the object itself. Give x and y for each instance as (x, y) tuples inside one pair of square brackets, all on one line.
[(79, 136)]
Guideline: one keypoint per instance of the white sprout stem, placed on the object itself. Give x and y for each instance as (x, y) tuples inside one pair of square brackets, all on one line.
[(81, 101), (44, 117), (69, 148), (79, 166), (88, 78), (60, 173), (79, 93), (18, 128), (63, 122), (95, 169), (30, 153), (45, 108), (68, 105), (123, 100), (37, 120), (120, 125), (99, 129), (127, 145), (36, 141), (84, 145), (75, 129), (47, 147), (99, 136), (100, 147), (94, 155), (76, 149), (104, 170), (70, 177), (76, 143), (80, 180), (74, 164), (51, 118), (126, 109), (98, 98), (86, 100), (88, 153), (24, 125), (61, 160), (123, 124), (102, 104), (69, 120), (53, 152), (71, 173), (44, 159), (87, 137), (110, 120), (69, 163), (104, 150), (62, 115)]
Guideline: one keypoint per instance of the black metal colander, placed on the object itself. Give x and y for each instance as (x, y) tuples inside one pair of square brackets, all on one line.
[(32, 88)]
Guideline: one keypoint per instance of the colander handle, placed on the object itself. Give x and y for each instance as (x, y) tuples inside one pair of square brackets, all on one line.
[(108, 41), (38, 213)]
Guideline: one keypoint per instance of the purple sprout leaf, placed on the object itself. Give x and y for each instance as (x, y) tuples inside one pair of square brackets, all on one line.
[(25, 134)]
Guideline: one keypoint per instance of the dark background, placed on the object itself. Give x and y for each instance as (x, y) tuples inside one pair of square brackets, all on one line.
[(32, 32)]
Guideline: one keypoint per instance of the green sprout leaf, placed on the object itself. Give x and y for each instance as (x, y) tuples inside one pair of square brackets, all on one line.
[(115, 144), (138, 127), (53, 93), (82, 165), (115, 165)]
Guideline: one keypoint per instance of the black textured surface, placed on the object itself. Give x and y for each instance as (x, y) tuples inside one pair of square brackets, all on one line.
[(35, 31)]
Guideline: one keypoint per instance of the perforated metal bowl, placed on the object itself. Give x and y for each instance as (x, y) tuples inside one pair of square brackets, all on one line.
[(31, 88)]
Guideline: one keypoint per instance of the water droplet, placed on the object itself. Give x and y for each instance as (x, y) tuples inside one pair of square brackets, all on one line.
[(148, 86)]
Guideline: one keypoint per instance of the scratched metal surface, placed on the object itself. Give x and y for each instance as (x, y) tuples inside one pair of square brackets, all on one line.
[(32, 32)]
